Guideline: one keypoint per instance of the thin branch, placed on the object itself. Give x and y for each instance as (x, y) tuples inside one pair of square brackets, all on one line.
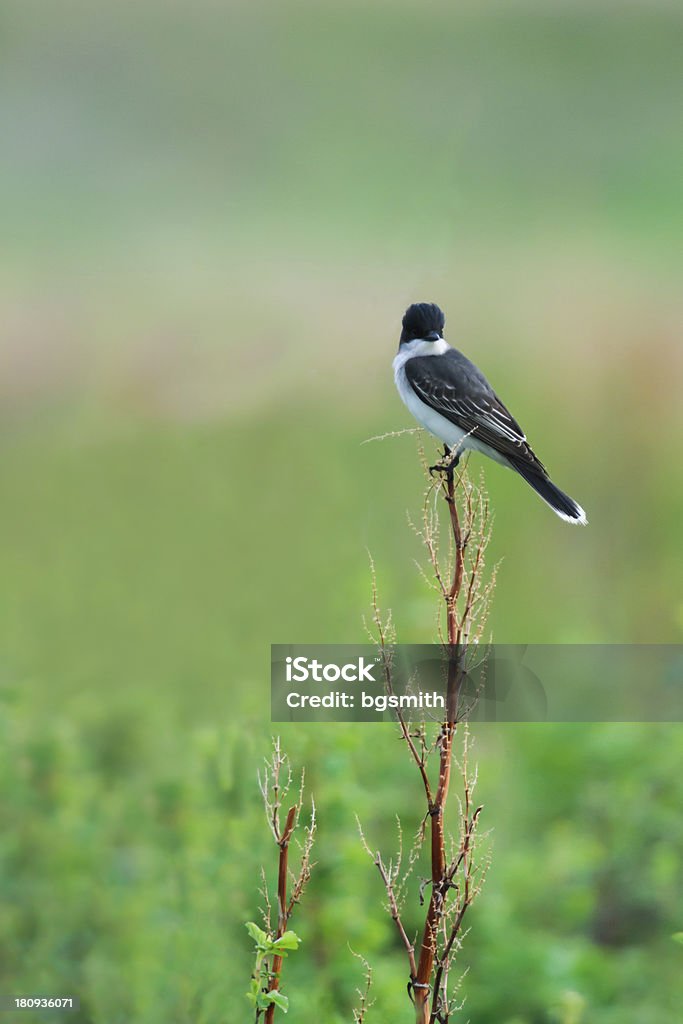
[(381, 640), (392, 433), (388, 876), (364, 1003)]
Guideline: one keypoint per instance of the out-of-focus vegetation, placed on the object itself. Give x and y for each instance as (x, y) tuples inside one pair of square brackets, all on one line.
[(214, 217)]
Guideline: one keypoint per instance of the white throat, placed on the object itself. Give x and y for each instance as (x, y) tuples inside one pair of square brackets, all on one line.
[(434, 422), (419, 347)]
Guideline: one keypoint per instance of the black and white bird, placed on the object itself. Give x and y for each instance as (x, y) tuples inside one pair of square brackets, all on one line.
[(449, 396)]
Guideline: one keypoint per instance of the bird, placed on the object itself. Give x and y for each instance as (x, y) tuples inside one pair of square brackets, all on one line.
[(449, 396)]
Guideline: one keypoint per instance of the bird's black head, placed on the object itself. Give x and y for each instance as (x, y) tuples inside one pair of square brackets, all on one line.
[(423, 320)]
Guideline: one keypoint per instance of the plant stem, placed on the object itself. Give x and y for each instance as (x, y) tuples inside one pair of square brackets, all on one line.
[(439, 887), (282, 911)]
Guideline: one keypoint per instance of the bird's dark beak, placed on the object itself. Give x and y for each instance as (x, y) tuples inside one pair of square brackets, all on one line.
[(432, 336)]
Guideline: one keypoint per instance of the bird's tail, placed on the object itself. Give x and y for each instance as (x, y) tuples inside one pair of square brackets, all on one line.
[(563, 506)]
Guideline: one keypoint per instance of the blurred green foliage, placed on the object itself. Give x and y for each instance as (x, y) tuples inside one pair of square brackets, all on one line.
[(217, 215)]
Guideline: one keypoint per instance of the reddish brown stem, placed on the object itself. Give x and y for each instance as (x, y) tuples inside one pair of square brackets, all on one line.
[(439, 890), (282, 907)]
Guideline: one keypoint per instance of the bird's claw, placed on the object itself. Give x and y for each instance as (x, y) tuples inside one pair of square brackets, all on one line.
[(445, 465)]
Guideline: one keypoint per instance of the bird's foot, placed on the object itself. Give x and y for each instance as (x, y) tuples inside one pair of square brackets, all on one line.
[(447, 463)]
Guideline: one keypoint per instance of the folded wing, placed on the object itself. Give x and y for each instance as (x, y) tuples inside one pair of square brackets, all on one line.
[(452, 386)]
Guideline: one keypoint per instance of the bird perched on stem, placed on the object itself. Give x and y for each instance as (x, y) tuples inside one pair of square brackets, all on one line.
[(448, 395)]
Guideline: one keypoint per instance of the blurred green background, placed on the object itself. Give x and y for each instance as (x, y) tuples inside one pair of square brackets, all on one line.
[(214, 217)]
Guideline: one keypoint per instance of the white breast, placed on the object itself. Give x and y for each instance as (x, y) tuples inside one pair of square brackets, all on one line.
[(433, 421)]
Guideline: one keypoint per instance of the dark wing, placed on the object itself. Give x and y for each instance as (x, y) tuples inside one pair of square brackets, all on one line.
[(454, 387)]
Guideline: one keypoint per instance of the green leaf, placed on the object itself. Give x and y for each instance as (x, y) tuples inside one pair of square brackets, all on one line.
[(258, 935), (279, 1000), (253, 993), (678, 937), (290, 940)]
